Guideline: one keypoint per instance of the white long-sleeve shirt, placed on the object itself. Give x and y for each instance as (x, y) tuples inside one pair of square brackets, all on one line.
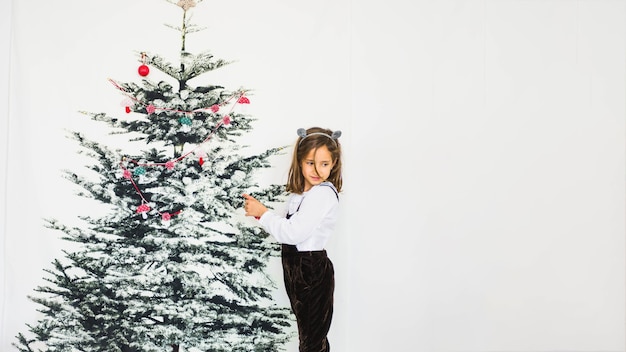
[(309, 227)]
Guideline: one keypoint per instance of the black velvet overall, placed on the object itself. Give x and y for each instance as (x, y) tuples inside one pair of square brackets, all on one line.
[(310, 283)]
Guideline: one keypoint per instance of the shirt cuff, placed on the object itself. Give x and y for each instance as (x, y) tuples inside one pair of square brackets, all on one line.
[(264, 217)]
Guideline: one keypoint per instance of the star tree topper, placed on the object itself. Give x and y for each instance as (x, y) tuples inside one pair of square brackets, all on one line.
[(186, 4)]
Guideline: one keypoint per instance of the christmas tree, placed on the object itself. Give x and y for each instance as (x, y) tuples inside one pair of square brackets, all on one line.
[(174, 265)]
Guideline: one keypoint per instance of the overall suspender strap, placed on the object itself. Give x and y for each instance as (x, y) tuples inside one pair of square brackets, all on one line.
[(331, 187), (328, 184)]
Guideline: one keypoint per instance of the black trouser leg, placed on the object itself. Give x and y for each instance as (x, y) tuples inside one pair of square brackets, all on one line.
[(310, 283)]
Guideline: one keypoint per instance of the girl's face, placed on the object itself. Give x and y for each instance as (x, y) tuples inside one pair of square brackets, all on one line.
[(316, 167)]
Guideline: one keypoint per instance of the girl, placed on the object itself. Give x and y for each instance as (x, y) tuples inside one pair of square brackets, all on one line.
[(314, 182)]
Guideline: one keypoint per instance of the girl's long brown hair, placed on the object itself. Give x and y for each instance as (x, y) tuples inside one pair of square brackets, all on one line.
[(295, 182)]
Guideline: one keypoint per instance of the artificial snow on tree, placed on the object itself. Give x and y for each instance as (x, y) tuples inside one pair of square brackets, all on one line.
[(174, 266)]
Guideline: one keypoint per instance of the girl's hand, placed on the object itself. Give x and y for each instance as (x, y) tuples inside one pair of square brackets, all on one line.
[(253, 207)]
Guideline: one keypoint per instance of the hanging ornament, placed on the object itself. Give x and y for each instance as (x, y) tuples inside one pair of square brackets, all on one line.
[(166, 217), (143, 210), (139, 171), (143, 70), (226, 120), (169, 165), (185, 121), (150, 109), (243, 100), (215, 108), (127, 104), (201, 154)]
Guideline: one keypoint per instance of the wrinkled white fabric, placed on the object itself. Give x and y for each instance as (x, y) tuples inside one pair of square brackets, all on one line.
[(310, 226)]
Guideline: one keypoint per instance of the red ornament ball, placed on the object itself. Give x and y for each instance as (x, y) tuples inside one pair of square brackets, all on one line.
[(143, 70)]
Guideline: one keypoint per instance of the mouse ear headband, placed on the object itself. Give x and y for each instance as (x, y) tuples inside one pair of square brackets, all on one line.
[(334, 136)]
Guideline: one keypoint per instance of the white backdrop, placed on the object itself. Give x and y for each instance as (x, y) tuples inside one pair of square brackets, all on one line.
[(484, 204)]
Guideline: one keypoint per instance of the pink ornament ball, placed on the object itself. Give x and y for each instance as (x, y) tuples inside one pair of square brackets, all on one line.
[(143, 70)]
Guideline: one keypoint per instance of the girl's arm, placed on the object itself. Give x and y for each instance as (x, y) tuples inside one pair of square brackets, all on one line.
[(315, 207)]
